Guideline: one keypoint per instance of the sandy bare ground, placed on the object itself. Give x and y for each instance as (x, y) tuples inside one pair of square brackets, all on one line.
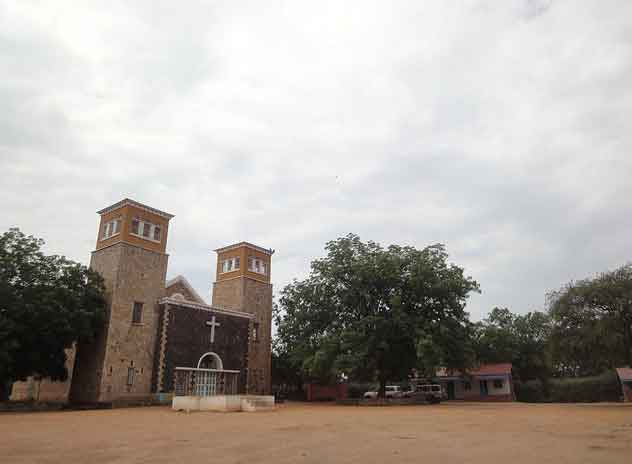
[(298, 433)]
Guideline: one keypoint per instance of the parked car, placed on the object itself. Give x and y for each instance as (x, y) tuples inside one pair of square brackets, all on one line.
[(432, 393), (392, 391)]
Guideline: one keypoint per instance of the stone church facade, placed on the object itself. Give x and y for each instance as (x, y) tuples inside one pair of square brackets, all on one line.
[(154, 325)]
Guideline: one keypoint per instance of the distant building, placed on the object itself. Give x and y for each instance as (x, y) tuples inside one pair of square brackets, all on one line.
[(488, 382), (625, 377), (154, 325)]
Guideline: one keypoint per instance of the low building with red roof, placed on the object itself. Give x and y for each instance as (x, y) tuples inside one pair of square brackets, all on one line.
[(625, 377), (487, 382)]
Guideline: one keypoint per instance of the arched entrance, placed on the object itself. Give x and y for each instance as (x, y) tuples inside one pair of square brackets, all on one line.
[(210, 360)]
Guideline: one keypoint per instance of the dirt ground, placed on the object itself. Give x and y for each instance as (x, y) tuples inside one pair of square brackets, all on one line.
[(320, 433)]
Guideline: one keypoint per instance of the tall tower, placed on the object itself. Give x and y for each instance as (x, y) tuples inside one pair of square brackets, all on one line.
[(243, 284), (130, 255)]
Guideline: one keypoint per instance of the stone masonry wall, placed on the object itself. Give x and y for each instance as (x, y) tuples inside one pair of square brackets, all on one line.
[(254, 297), (187, 338), (141, 278), (45, 389), (258, 301), (179, 287), (132, 274), (229, 293), (88, 370)]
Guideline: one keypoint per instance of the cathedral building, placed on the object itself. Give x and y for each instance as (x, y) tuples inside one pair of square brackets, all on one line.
[(154, 325)]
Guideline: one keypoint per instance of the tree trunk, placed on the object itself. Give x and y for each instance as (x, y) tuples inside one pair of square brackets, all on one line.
[(5, 390), (627, 340), (382, 391)]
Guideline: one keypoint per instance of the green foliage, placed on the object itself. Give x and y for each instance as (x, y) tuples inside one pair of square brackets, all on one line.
[(46, 304), (522, 340), (285, 374), (604, 387), (366, 312), (593, 323)]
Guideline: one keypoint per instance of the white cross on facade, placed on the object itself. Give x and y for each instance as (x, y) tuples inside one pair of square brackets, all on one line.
[(212, 324)]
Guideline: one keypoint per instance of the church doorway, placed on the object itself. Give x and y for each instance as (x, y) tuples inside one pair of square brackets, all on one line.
[(210, 360)]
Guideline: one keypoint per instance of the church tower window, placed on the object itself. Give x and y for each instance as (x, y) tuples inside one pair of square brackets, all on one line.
[(111, 228), (257, 265), (137, 313), (130, 376), (146, 230), (231, 264)]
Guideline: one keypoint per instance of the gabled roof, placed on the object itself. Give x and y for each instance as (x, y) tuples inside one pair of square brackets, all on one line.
[(180, 279), (491, 369), (624, 373), (204, 307)]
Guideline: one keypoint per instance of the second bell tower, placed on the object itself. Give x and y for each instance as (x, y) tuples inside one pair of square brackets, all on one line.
[(243, 284)]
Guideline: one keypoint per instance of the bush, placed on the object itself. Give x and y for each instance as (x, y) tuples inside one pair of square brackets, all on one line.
[(530, 392), (604, 387)]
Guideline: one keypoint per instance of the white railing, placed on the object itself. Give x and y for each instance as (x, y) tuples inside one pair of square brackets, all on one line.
[(190, 381)]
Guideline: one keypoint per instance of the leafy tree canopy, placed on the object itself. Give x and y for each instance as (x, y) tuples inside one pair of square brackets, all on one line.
[(46, 304), (522, 340), (593, 322), (367, 312)]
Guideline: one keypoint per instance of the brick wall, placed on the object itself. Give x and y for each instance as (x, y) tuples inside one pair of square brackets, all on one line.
[(315, 392)]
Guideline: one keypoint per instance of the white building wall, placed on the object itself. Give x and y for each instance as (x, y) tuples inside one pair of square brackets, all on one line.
[(504, 390), (460, 392)]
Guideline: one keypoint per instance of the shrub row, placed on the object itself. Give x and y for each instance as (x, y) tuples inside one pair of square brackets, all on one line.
[(605, 387)]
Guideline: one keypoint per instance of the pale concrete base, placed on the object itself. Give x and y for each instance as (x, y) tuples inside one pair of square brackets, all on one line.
[(227, 403)]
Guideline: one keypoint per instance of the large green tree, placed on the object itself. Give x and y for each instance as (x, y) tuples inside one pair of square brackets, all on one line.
[(372, 313), (47, 303), (593, 322), (522, 339)]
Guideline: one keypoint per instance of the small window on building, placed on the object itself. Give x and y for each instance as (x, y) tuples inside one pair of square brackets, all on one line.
[(137, 313), (111, 228), (257, 265), (130, 376), (498, 383), (255, 331), (146, 230), (467, 386), (230, 264)]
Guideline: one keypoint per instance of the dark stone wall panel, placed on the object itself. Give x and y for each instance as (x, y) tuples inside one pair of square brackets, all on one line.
[(189, 337)]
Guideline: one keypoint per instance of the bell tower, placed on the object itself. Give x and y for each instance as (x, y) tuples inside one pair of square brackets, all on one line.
[(130, 256), (243, 284)]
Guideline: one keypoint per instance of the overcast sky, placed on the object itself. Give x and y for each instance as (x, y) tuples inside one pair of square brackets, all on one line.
[(500, 128)]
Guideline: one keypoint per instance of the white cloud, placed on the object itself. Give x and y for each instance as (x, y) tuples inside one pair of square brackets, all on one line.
[(498, 128)]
